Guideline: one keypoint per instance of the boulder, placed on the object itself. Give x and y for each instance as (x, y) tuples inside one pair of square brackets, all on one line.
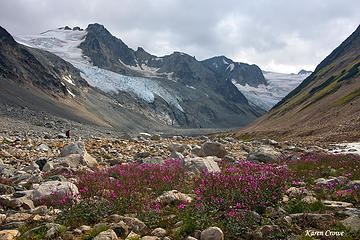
[(155, 137), (73, 148), (134, 224), (293, 192), (54, 188), (9, 234), (198, 165), (213, 149), (196, 150), (264, 154), (41, 163), (173, 196), (177, 147), (159, 232), (352, 222), (106, 235), (177, 155), (121, 229), (79, 154), (6, 189), (309, 199), (337, 204), (16, 203), (212, 233)]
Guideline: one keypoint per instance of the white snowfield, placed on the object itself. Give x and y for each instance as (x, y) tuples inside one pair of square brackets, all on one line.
[(64, 43), (280, 84), (345, 148)]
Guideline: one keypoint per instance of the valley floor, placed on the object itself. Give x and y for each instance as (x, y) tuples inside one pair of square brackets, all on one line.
[(179, 187)]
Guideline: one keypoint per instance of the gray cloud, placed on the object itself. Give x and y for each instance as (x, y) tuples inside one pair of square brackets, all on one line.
[(281, 35)]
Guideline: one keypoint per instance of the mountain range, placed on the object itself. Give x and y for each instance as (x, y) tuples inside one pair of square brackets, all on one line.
[(91, 76)]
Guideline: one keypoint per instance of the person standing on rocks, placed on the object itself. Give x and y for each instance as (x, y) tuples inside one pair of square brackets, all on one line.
[(67, 133)]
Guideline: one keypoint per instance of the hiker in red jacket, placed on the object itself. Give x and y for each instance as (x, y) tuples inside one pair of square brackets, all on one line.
[(68, 133)]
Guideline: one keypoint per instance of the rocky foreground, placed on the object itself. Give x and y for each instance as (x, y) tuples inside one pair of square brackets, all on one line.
[(151, 187)]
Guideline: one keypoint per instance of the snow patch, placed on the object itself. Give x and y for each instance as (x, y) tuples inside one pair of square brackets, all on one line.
[(225, 62), (342, 148), (188, 86), (73, 95), (68, 79), (231, 66)]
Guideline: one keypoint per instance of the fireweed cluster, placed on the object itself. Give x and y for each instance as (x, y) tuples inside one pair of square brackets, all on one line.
[(223, 198)]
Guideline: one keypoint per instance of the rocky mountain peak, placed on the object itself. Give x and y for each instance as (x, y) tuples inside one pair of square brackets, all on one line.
[(241, 73), (6, 38), (304, 72)]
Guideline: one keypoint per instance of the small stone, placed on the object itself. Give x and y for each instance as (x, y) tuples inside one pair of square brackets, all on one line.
[(84, 228), (132, 235), (142, 154), (43, 147), (150, 238), (212, 233), (155, 137), (190, 238)]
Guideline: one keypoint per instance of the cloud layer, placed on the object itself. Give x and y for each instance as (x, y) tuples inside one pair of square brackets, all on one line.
[(281, 35)]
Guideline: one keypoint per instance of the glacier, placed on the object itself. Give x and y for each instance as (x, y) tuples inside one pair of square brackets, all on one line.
[(64, 43), (266, 96)]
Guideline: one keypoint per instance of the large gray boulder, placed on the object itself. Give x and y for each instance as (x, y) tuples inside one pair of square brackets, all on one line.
[(75, 154), (73, 148), (198, 164), (54, 188), (264, 154), (213, 149)]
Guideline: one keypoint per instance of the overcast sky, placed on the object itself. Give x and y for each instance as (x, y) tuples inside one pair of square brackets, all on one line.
[(277, 35)]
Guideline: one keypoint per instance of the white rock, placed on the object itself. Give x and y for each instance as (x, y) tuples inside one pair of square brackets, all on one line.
[(54, 188)]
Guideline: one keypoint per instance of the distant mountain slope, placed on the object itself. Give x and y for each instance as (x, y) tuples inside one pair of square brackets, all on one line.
[(325, 105), (176, 89)]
